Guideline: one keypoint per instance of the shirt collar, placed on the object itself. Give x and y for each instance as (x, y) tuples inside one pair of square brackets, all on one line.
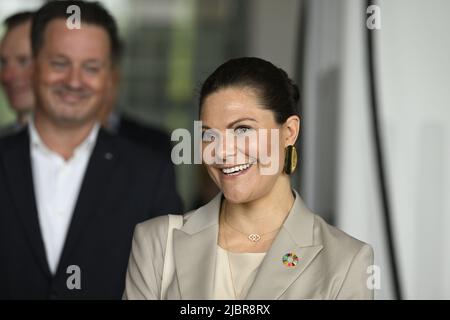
[(87, 145), (35, 138)]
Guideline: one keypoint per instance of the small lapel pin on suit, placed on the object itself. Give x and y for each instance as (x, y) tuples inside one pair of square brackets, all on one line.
[(290, 259), (109, 156)]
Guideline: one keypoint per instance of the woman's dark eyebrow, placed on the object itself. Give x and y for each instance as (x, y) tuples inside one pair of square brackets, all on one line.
[(233, 123), (239, 120)]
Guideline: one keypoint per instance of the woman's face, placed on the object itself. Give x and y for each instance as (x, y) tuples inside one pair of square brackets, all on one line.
[(243, 145)]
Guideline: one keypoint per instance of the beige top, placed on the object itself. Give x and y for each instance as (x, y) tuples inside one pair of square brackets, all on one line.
[(244, 267)]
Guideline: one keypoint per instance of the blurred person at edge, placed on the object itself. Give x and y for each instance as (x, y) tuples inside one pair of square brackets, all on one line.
[(16, 68), (70, 192)]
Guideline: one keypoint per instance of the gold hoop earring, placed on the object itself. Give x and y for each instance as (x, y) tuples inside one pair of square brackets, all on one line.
[(290, 162)]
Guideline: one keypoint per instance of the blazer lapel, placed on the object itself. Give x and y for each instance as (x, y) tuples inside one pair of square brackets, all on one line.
[(17, 165), (92, 193), (195, 250), (297, 238)]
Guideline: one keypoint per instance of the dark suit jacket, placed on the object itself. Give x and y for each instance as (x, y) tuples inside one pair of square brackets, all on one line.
[(124, 184), (144, 134)]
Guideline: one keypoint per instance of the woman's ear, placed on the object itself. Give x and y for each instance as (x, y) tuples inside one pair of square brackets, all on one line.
[(291, 130)]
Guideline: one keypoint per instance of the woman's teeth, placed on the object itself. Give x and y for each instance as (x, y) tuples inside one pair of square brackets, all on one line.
[(236, 168)]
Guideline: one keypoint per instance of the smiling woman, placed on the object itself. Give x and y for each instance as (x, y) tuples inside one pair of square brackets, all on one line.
[(256, 239)]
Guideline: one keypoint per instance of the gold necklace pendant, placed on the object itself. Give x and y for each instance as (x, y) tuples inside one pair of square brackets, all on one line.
[(254, 237)]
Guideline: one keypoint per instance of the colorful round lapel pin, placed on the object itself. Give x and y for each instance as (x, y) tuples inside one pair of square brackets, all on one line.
[(290, 259)]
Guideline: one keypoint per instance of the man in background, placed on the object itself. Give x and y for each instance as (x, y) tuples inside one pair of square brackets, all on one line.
[(15, 75), (70, 192), (16, 68)]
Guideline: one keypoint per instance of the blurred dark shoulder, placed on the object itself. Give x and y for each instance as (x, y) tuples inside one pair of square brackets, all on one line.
[(144, 134), (10, 135)]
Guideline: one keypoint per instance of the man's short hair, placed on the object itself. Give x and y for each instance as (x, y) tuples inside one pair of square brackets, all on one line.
[(17, 19), (91, 13)]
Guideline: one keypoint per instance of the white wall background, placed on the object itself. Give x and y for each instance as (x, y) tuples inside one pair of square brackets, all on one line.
[(413, 55), (358, 206)]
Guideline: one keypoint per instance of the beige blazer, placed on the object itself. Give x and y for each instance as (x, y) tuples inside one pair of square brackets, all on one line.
[(331, 264)]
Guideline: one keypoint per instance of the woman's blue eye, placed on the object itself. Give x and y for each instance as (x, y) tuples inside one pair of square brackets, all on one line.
[(242, 130), (208, 136)]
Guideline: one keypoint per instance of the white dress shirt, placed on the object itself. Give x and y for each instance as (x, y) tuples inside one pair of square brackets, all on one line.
[(57, 183)]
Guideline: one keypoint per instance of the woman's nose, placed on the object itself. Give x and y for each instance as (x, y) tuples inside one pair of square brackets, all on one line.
[(226, 148)]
